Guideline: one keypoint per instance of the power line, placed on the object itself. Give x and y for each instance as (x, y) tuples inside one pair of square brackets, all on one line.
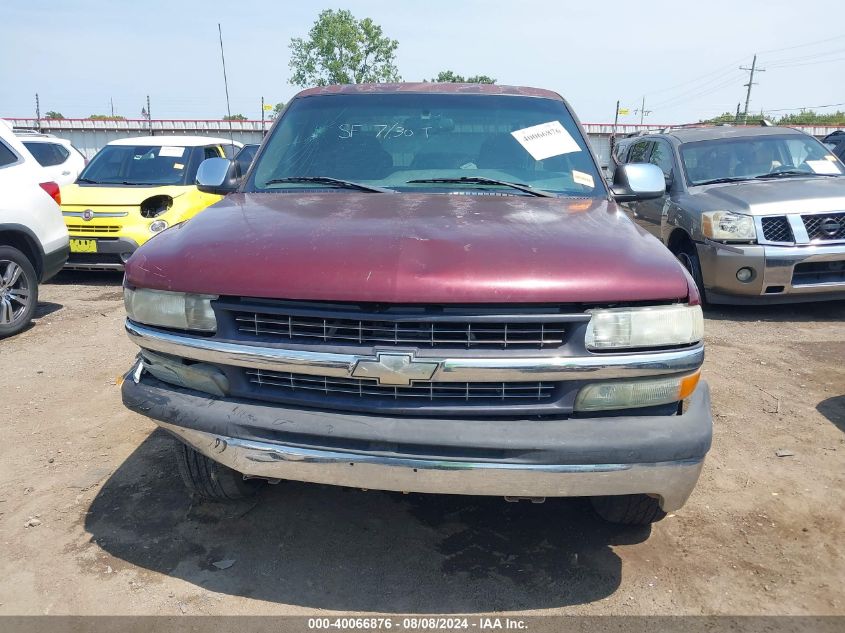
[(686, 97), (789, 48), (820, 61), (722, 70), (717, 74), (789, 60), (816, 107)]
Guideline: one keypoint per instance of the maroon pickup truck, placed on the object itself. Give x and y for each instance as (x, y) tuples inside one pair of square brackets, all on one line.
[(424, 288)]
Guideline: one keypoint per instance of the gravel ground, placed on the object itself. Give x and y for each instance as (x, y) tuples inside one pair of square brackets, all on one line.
[(94, 520)]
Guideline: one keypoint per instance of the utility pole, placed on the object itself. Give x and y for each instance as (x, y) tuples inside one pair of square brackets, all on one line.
[(111, 104), (750, 83), (613, 134), (37, 112), (262, 115), (149, 116), (643, 111), (226, 84)]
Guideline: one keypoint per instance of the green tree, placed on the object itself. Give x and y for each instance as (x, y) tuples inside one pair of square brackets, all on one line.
[(340, 49), (447, 76), (726, 117), (277, 109), (235, 117), (106, 117), (52, 114), (809, 117)]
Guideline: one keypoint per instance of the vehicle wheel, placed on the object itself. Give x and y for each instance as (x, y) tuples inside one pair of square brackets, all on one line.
[(18, 291), (209, 480), (629, 509), (688, 256)]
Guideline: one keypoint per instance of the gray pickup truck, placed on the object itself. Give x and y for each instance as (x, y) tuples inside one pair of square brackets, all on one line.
[(755, 214)]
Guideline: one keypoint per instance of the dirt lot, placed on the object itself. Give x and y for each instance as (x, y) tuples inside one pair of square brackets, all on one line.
[(116, 533)]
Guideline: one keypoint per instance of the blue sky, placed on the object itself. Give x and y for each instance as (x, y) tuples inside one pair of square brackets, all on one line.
[(682, 57)]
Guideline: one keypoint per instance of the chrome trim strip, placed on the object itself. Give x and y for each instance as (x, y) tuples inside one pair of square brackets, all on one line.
[(71, 266), (799, 231), (97, 214), (471, 369), (671, 481)]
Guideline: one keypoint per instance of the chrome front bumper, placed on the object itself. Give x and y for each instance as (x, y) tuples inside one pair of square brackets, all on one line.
[(672, 482), (774, 269)]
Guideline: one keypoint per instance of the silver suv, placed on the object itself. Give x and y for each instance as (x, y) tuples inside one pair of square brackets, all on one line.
[(755, 214)]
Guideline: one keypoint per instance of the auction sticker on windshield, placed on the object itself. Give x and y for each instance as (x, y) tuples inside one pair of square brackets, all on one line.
[(546, 140), (823, 166), (583, 179), (173, 152)]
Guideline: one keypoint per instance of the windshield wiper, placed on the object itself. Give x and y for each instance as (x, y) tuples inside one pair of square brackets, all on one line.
[(334, 182), (790, 173), (480, 180), (717, 181), (88, 180)]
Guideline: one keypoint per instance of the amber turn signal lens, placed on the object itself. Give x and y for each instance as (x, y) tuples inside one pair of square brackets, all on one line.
[(688, 385)]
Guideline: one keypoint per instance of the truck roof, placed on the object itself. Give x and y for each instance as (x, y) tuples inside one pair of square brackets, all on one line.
[(430, 87), (687, 135)]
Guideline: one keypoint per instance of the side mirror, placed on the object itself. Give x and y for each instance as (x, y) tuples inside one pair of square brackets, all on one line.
[(638, 181), (218, 176)]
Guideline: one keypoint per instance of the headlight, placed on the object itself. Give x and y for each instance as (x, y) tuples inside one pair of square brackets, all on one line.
[(654, 326), (625, 394), (724, 225), (170, 309)]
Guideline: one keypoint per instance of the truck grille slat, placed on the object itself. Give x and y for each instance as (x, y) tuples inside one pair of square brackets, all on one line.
[(825, 226), (369, 389), (417, 333), (776, 229)]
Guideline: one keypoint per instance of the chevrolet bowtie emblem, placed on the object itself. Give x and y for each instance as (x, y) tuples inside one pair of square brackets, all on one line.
[(395, 369)]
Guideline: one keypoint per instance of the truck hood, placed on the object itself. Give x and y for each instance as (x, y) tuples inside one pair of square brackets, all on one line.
[(92, 196), (765, 197), (411, 248)]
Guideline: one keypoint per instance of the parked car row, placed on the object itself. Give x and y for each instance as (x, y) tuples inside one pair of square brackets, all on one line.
[(436, 290)]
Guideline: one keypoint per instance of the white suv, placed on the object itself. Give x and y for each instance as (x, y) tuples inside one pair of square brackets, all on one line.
[(33, 237), (61, 161)]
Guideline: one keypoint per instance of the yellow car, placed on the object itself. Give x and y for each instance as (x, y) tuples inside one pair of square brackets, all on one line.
[(132, 189)]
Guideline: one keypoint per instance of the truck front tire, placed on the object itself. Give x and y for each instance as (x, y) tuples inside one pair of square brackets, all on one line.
[(211, 481), (629, 509)]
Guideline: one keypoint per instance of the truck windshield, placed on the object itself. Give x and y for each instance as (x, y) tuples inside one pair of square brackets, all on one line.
[(140, 165), (429, 142), (746, 158)]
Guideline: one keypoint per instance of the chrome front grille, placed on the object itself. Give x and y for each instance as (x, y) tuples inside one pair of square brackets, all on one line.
[(428, 392), (94, 228), (419, 333), (776, 229), (825, 226)]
